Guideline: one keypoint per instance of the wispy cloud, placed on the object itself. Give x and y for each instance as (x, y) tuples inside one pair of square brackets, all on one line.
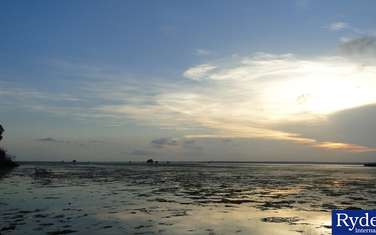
[(202, 52), (48, 139), (344, 147), (140, 152), (338, 26), (164, 142), (198, 71), (362, 48), (245, 99), (241, 97), (21, 93), (171, 142)]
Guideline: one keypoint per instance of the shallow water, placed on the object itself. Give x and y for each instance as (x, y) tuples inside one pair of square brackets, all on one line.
[(187, 198)]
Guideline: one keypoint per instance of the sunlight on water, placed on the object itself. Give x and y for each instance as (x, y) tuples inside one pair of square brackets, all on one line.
[(180, 199)]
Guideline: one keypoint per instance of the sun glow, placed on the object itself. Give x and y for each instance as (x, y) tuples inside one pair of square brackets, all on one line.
[(319, 88), (249, 98)]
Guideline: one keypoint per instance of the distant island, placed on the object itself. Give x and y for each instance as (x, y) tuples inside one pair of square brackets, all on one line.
[(5, 160)]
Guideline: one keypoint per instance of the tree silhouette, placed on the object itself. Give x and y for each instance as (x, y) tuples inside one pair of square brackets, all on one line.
[(2, 152), (5, 160), (1, 132)]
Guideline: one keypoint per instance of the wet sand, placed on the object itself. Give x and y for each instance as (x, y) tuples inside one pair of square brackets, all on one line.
[(211, 198)]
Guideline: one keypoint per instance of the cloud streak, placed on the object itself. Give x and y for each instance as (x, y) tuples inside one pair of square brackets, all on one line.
[(202, 52), (199, 71), (338, 26), (361, 49), (47, 139), (235, 98), (246, 98), (344, 147), (165, 142)]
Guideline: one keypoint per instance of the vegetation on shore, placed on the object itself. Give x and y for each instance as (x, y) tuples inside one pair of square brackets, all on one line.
[(5, 160)]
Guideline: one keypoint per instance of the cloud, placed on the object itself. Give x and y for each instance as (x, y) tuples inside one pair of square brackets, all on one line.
[(93, 141), (202, 52), (189, 141), (362, 49), (344, 39), (182, 143), (344, 147), (165, 142), (247, 97), (85, 97), (338, 26), (344, 26), (140, 152), (15, 96), (18, 92), (78, 142), (236, 97), (197, 72), (298, 139), (354, 125), (50, 139)]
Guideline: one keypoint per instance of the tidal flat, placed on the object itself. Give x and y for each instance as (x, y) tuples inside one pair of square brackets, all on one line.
[(180, 198)]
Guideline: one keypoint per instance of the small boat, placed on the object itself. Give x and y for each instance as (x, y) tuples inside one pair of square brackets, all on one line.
[(373, 164)]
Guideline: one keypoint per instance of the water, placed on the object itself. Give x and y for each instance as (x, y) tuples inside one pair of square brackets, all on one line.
[(187, 198)]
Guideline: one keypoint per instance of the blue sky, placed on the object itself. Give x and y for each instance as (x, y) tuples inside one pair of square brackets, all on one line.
[(127, 80)]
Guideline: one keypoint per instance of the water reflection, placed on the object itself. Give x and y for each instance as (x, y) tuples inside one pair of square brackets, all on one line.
[(5, 172), (180, 199)]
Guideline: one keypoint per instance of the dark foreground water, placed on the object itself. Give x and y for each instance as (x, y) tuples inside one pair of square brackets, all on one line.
[(180, 199)]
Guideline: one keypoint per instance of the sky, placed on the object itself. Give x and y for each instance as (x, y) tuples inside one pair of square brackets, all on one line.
[(188, 80)]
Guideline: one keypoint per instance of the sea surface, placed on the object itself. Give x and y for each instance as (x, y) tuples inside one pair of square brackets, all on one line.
[(186, 198)]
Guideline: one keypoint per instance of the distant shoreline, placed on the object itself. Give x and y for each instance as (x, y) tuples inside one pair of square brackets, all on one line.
[(199, 162)]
